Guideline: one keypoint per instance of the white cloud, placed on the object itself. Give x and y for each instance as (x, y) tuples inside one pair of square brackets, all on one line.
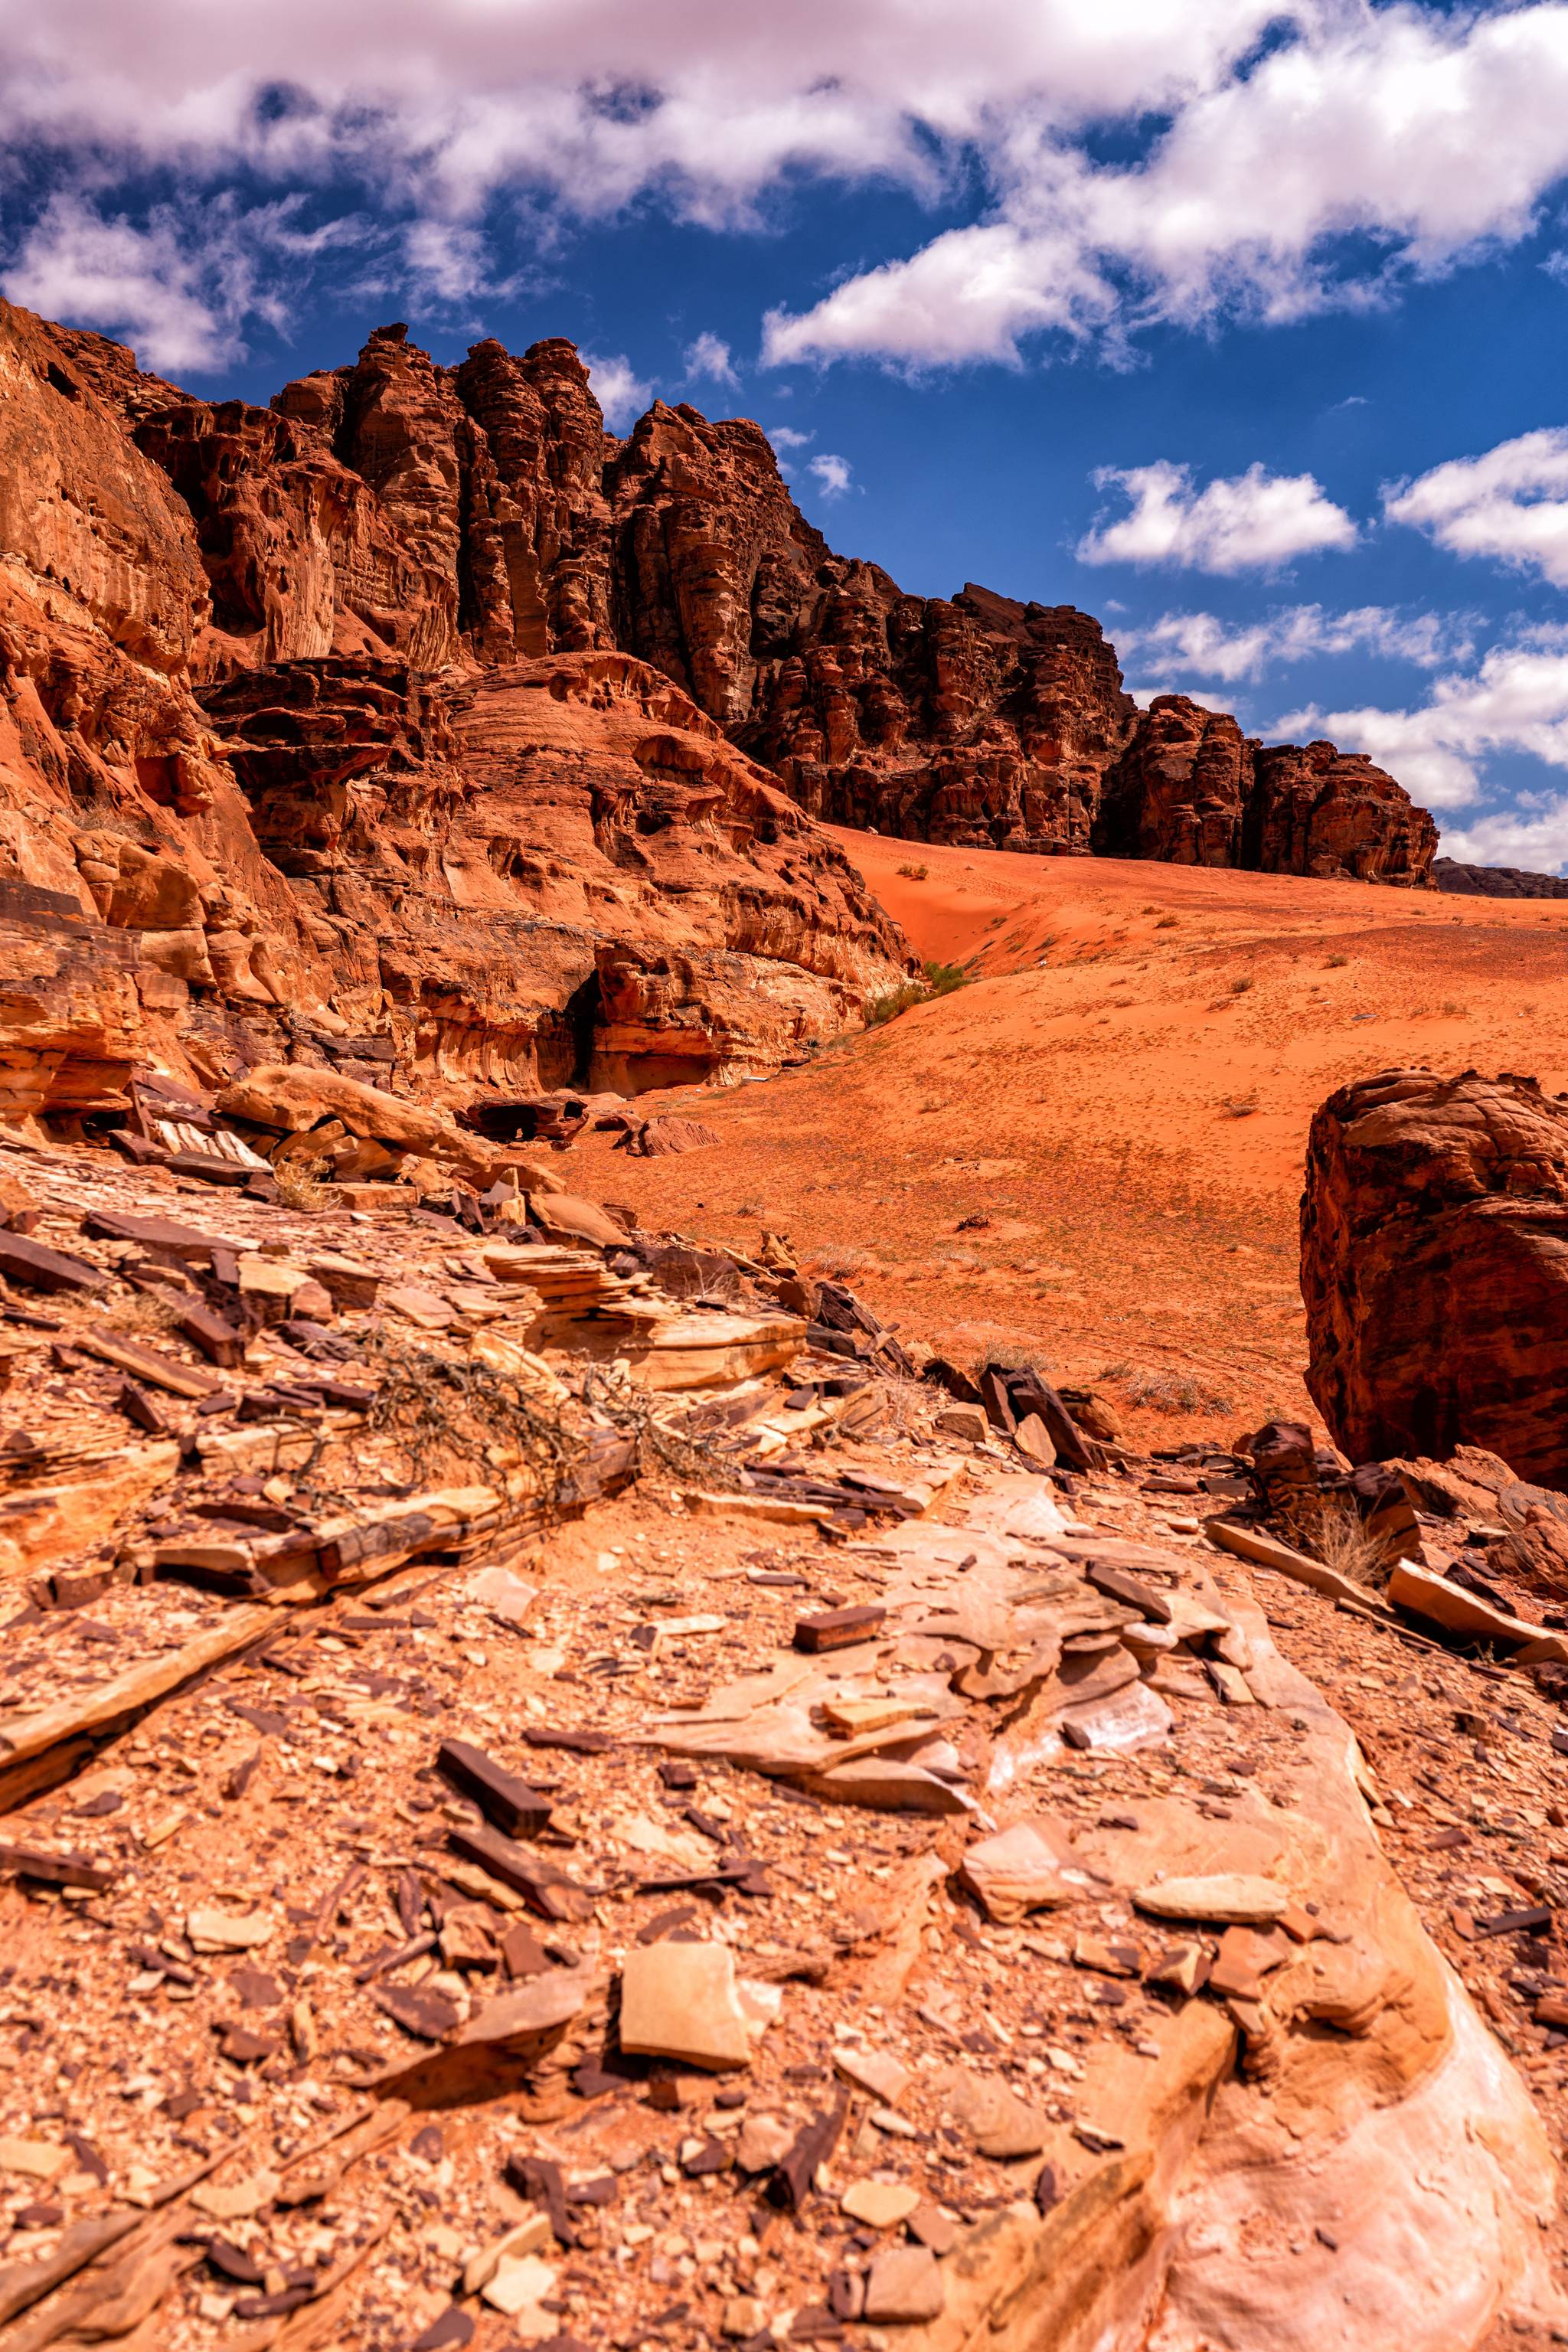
[(1510, 504), (1252, 522), (1210, 647), (177, 308), (1515, 701), (708, 361), (178, 292), (1534, 836), (833, 475), (1414, 136), (618, 389), (1365, 142), (785, 436)]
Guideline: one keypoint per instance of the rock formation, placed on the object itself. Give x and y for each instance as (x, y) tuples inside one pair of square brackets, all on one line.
[(258, 666), (1435, 1269), (1495, 881), (311, 730)]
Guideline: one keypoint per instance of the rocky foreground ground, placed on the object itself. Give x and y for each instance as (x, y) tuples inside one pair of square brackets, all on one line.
[(557, 1792)]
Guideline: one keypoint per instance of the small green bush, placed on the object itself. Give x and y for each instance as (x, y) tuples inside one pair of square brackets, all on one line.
[(940, 980)]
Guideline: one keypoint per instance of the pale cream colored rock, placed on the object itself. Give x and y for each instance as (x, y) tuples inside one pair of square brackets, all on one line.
[(39, 2160), (502, 1593), (1030, 1866), (679, 2000), (529, 2237), (905, 2283), (227, 1931), (743, 2316), (238, 2199), (880, 2204), (1002, 2125), (1231, 1897), (517, 2286), (873, 2071), (764, 2141)]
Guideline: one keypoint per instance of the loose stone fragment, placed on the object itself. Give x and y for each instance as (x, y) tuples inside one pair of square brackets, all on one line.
[(880, 2204), (1001, 2125), (1231, 1897), (905, 2284), (873, 2071), (501, 1796), (835, 1629), (223, 1931), (1031, 1867), (679, 2000)]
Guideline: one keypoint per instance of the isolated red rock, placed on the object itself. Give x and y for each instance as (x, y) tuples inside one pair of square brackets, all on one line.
[(1181, 789), (1321, 810), (1435, 1269)]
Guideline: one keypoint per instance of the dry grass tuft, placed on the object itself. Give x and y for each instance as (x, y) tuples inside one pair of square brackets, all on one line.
[(1165, 1391), (300, 1183), (1342, 1543)]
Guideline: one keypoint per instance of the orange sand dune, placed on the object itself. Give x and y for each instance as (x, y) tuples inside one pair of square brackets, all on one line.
[(1123, 1096)]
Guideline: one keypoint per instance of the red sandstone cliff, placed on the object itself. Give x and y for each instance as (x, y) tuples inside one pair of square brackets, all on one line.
[(256, 665)]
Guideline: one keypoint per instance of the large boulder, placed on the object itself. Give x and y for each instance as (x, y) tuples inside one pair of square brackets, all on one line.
[(1435, 1268)]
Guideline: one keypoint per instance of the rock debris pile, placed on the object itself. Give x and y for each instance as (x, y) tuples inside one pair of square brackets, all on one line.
[(556, 1791)]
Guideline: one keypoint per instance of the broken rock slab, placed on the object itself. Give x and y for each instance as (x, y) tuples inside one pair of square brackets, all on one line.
[(681, 2001), (1030, 1866), (1229, 1898)]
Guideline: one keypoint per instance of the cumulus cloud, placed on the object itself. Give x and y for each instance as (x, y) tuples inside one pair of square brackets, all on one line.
[(1362, 142), (787, 437), (833, 475), (1510, 504), (618, 389), (708, 361), (1251, 522), (1515, 700), (179, 306), (1414, 137), (1534, 835), (1202, 644)]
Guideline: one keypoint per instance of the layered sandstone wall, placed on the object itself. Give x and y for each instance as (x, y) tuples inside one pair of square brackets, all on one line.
[(312, 734), (479, 515)]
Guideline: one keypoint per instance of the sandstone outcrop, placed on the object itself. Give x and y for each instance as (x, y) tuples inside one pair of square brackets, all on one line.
[(1495, 881), (1435, 1269), (1192, 790), (274, 783)]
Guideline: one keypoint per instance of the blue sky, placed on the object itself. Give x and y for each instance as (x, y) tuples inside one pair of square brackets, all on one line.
[(1242, 328)]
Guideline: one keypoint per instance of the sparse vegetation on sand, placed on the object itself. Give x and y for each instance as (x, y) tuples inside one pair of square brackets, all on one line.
[(939, 980)]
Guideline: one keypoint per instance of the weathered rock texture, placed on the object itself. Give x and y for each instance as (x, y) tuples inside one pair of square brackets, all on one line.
[(314, 744), (1435, 1269), (1192, 789), (275, 716), (1495, 881)]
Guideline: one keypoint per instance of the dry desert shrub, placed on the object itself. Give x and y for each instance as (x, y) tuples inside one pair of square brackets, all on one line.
[(300, 1183), (1342, 1543), (1238, 1105), (1164, 1391), (838, 1264), (1241, 984), (914, 873)]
